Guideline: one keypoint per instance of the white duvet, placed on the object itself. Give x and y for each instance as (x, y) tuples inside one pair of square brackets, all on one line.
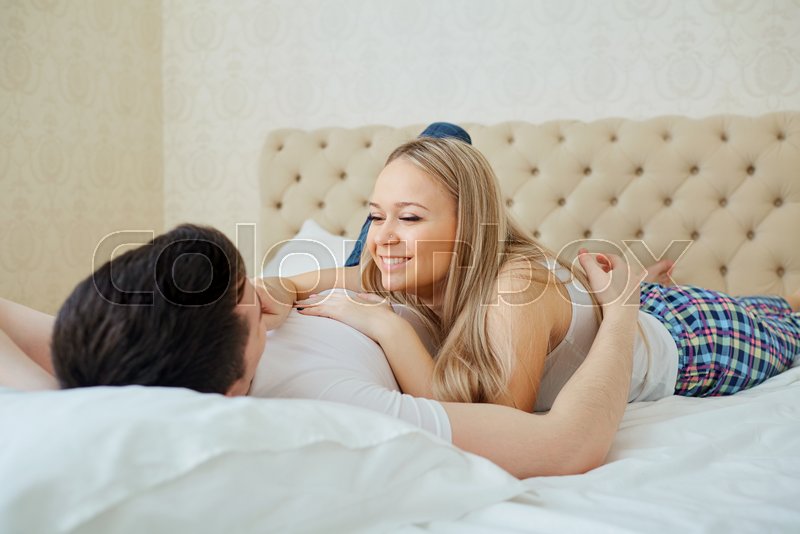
[(166, 460), (159, 460), (122, 459), (726, 464)]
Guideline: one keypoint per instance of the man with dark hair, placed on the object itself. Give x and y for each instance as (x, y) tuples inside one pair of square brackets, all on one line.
[(178, 311), (175, 312)]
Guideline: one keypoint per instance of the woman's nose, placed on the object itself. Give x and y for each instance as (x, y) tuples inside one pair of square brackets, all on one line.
[(385, 234)]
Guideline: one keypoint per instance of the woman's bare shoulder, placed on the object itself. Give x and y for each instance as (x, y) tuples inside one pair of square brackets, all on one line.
[(526, 279)]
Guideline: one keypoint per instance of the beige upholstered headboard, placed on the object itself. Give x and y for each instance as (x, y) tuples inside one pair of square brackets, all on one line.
[(728, 184)]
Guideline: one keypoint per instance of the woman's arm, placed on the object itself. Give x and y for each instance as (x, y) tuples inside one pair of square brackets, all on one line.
[(411, 363), (520, 326), (18, 371), (576, 435), (522, 323), (285, 291), (302, 286), (25, 347)]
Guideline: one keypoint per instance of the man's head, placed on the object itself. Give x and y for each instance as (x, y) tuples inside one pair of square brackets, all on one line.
[(178, 311)]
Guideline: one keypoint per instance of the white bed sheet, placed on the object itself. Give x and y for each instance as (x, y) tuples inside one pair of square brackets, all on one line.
[(726, 464), (168, 460), (101, 459)]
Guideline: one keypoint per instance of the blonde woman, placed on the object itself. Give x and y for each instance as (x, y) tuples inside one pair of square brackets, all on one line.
[(508, 323)]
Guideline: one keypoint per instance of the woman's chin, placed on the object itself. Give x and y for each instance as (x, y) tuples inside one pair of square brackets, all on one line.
[(393, 282)]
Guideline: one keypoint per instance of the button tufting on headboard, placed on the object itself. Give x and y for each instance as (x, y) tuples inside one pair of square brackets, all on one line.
[(732, 179)]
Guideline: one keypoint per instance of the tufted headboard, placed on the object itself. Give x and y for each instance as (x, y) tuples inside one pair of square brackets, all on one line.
[(726, 187)]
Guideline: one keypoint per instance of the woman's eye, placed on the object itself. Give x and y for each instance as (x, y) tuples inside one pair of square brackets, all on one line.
[(372, 217), (411, 218)]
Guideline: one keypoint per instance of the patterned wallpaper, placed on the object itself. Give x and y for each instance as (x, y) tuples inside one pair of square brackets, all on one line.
[(118, 114), (235, 70), (80, 137)]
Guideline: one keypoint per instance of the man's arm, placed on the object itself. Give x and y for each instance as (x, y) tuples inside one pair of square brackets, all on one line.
[(575, 436), (29, 330), (18, 371)]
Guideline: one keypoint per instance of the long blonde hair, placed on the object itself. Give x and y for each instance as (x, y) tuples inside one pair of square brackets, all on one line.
[(469, 365)]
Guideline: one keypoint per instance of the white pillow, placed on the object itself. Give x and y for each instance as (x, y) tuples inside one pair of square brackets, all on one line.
[(134, 459), (312, 248)]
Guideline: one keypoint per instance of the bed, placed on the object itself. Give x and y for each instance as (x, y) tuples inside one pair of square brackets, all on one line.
[(721, 195)]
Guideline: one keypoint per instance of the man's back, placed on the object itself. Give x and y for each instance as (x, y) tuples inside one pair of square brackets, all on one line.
[(319, 358)]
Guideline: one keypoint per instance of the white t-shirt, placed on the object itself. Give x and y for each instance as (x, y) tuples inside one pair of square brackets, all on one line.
[(319, 358)]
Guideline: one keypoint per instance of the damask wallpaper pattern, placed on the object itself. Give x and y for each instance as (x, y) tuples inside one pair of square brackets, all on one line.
[(80, 137), (234, 71), (140, 114)]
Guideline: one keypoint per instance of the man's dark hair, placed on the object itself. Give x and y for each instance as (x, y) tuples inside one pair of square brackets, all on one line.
[(163, 314)]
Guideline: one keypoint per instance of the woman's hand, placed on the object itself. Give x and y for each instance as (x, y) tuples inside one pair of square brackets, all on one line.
[(613, 280), (373, 316), (370, 314)]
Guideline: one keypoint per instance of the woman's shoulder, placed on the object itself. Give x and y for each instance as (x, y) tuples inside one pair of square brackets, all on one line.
[(531, 298), (527, 273), (525, 281)]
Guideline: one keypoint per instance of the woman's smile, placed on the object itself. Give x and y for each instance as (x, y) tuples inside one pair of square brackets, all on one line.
[(410, 212), (393, 263)]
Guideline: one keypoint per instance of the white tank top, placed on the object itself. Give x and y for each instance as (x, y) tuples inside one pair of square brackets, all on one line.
[(654, 371)]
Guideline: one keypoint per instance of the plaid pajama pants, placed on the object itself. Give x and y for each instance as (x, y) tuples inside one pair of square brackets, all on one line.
[(725, 344)]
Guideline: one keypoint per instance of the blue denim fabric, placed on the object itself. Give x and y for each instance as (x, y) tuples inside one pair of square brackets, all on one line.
[(446, 129), (355, 256)]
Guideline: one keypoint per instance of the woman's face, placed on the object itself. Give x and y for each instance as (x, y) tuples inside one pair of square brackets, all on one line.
[(413, 230)]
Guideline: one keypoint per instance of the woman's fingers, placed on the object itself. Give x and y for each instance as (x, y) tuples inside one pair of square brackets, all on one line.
[(307, 303), (591, 264), (611, 277), (604, 262)]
